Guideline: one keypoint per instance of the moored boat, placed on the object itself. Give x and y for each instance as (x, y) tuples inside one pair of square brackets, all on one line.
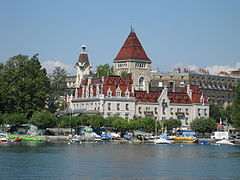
[(224, 142), (4, 139), (162, 141)]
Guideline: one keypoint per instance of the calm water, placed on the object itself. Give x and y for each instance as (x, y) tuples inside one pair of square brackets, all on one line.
[(48, 160)]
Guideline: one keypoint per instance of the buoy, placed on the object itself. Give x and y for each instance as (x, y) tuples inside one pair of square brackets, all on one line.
[(181, 145)]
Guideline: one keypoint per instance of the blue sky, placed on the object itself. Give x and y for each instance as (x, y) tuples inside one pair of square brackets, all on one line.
[(186, 33)]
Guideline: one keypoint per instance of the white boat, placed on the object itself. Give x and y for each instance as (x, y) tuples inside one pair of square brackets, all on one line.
[(161, 141), (3, 139), (224, 142)]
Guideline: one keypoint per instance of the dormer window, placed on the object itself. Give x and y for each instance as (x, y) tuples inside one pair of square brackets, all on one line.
[(118, 92), (127, 93), (109, 93)]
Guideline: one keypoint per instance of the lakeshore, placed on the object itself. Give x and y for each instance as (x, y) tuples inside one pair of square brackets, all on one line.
[(122, 140)]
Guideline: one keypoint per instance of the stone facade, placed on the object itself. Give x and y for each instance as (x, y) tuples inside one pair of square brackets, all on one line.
[(114, 96), (217, 88)]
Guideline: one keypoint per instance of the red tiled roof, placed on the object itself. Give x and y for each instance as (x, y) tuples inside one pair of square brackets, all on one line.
[(179, 98), (132, 49), (143, 96)]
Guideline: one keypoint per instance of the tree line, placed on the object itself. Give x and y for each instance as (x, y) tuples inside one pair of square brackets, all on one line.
[(28, 92)]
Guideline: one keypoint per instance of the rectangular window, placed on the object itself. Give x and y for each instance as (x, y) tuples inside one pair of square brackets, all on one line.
[(127, 108), (109, 106), (160, 84), (139, 110), (163, 110), (182, 84), (156, 111), (118, 106)]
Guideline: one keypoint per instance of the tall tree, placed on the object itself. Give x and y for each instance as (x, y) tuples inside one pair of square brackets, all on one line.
[(24, 85), (103, 71), (215, 112), (58, 86), (236, 108)]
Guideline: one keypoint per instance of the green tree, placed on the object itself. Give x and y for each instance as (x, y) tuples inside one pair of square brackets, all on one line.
[(202, 125), (236, 108), (14, 119), (215, 112), (226, 114), (64, 121), (24, 85), (43, 120), (96, 121), (170, 124), (120, 124), (149, 124), (103, 71), (58, 88)]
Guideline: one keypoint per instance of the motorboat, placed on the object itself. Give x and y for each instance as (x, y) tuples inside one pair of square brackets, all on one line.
[(4, 139), (162, 141), (224, 142)]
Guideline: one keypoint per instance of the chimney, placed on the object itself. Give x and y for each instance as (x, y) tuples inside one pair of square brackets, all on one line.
[(89, 80), (147, 86), (189, 92), (132, 89)]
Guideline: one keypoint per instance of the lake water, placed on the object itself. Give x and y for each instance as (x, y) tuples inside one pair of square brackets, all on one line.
[(59, 160)]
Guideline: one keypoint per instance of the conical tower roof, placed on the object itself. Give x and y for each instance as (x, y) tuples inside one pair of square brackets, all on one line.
[(83, 57), (132, 49)]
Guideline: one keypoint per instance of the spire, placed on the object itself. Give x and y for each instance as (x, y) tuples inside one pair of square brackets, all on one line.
[(132, 49), (132, 29)]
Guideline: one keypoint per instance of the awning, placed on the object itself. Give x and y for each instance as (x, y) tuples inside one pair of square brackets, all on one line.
[(141, 133)]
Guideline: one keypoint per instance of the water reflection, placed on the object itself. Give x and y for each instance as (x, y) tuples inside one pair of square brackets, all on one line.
[(41, 160)]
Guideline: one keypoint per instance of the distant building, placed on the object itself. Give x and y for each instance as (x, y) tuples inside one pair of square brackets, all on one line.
[(217, 89), (130, 95)]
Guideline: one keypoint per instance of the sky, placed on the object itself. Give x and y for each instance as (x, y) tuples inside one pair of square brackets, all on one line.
[(174, 33)]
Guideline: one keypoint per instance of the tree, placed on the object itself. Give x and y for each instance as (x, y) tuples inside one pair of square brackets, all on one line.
[(43, 120), (149, 124), (202, 125), (236, 108), (58, 88), (14, 119), (226, 113), (64, 121), (103, 71), (120, 124), (24, 85), (215, 112), (170, 124)]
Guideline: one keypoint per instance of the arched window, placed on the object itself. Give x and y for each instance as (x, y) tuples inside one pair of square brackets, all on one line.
[(140, 83)]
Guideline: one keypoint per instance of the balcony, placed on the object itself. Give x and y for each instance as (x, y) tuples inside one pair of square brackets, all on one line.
[(180, 114), (164, 104)]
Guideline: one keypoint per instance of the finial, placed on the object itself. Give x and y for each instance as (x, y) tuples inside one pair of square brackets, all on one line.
[(132, 29), (84, 48)]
